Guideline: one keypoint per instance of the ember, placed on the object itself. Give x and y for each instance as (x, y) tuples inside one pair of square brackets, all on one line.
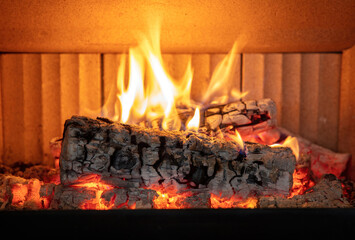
[(170, 199), (97, 203), (233, 202)]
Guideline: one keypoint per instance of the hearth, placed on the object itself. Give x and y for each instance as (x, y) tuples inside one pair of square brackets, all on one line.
[(191, 106)]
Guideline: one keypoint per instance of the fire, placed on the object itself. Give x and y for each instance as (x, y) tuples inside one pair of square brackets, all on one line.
[(221, 89), (238, 139), (233, 135), (149, 92), (145, 91), (292, 143), (301, 182), (169, 198), (233, 202), (19, 193), (194, 123), (97, 203)]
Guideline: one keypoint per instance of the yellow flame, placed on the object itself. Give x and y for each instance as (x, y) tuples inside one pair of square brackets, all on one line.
[(151, 92), (237, 138), (222, 88), (133, 95), (194, 123), (145, 91), (292, 143)]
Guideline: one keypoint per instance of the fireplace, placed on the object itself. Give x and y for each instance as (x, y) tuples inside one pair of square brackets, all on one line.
[(286, 71)]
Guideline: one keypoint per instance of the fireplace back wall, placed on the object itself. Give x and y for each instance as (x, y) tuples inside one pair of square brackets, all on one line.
[(59, 59)]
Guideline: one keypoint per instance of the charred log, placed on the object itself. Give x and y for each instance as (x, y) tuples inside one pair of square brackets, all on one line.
[(327, 193), (131, 156), (247, 116)]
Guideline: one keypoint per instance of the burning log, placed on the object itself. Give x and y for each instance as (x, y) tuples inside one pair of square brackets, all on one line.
[(249, 117), (99, 196), (21, 193), (327, 193), (131, 156), (321, 160)]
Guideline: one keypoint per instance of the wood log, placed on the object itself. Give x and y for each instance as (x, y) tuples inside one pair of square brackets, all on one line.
[(21, 193), (131, 156), (327, 193), (249, 117), (94, 198), (321, 160)]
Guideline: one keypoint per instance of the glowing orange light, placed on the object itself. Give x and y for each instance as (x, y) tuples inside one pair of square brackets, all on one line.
[(194, 123), (233, 202), (292, 143), (221, 89), (301, 182), (97, 203), (19, 193), (169, 198)]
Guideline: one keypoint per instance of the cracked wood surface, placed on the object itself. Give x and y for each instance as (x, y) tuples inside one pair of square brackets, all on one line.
[(132, 156)]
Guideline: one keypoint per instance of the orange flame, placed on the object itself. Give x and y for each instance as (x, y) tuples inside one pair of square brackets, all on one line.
[(97, 203), (233, 202), (235, 137), (151, 92), (169, 198), (147, 92), (221, 89)]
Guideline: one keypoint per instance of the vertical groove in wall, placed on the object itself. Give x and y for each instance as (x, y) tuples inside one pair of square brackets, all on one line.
[(1, 115), (13, 111), (110, 69), (291, 80), (69, 86), (309, 96), (273, 80), (346, 128), (201, 65), (32, 79), (89, 84), (253, 76), (51, 101), (328, 102)]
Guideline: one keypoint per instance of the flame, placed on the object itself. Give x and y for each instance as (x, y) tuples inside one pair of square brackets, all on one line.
[(97, 203), (133, 95), (238, 139), (169, 198), (145, 91), (292, 143), (194, 123), (234, 136), (221, 89), (149, 92), (233, 202)]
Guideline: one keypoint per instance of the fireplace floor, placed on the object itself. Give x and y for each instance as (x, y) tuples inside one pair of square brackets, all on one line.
[(186, 223)]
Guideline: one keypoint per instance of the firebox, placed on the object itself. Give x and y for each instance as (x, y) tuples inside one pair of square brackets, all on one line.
[(208, 107)]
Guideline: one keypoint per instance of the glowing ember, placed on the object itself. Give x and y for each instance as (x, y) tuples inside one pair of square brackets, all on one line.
[(97, 203), (233, 202), (19, 193), (301, 182), (168, 198)]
